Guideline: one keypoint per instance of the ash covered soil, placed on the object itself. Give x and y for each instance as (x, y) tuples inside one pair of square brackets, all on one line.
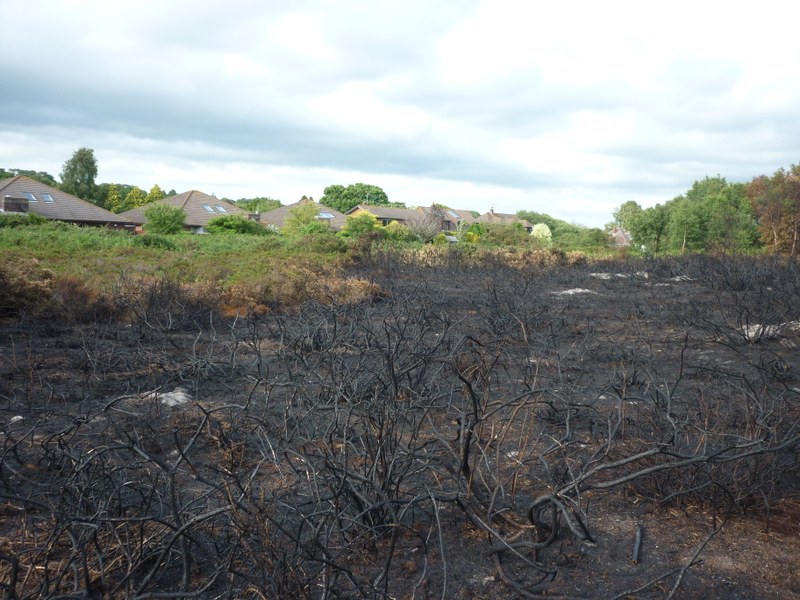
[(612, 430)]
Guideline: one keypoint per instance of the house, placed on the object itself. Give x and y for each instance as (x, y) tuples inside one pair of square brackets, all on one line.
[(619, 237), (277, 216), (200, 208), (386, 214), (22, 194), (496, 218), (449, 218)]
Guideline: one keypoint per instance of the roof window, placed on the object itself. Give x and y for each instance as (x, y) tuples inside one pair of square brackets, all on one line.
[(30, 196), (48, 198), (325, 215), (221, 209), (208, 208)]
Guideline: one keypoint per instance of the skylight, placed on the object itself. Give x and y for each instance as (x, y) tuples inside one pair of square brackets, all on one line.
[(208, 208), (221, 209), (453, 214), (30, 196), (325, 215), (47, 198)]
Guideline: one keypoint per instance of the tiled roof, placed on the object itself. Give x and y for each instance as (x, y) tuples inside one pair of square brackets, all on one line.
[(503, 219), (52, 203), (278, 216), (387, 212), (454, 215), (200, 208)]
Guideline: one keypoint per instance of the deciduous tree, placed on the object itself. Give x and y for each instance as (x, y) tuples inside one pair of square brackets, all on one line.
[(776, 202), (41, 176), (79, 173), (343, 198)]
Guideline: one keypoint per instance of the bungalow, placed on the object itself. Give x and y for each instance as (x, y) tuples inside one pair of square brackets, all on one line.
[(619, 237), (277, 216), (386, 214), (22, 194), (496, 218), (449, 218), (200, 208)]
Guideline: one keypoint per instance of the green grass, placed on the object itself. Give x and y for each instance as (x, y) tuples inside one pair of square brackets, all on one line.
[(99, 254)]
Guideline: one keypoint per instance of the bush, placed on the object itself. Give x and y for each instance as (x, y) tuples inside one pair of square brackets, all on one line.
[(324, 242), (26, 288), (164, 219), (235, 224), (11, 220), (153, 240), (506, 235), (397, 232), (361, 224)]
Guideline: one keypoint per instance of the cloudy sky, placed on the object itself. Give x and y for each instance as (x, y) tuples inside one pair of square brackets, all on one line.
[(569, 108)]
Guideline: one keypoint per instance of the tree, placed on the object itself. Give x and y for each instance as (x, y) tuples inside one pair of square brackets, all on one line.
[(228, 224), (135, 197), (154, 195), (776, 202), (563, 232), (258, 205), (343, 198), (427, 224), (113, 200), (626, 214), (40, 176), (304, 219), (164, 219), (79, 173), (649, 227), (713, 216)]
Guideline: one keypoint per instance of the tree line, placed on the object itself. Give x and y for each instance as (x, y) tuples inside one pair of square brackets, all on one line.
[(79, 174), (721, 217), (714, 215)]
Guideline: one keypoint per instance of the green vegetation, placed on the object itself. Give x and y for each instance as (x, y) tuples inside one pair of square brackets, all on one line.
[(304, 220), (713, 216), (79, 173), (343, 198), (230, 224), (10, 220), (164, 219), (775, 202), (40, 176), (258, 205)]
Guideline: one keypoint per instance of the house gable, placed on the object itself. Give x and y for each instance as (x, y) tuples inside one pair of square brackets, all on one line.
[(277, 217), (200, 208), (386, 214), (56, 205)]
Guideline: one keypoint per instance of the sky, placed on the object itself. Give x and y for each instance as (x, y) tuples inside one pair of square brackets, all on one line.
[(569, 108)]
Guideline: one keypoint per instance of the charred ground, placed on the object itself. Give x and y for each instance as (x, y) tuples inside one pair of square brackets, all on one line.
[(615, 430)]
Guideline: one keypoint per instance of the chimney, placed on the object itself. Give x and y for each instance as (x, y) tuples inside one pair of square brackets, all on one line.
[(15, 205)]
